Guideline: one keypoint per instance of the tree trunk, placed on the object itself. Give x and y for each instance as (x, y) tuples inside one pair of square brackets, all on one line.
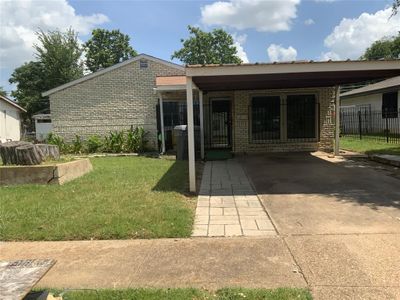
[(29, 155), (49, 151), (8, 153)]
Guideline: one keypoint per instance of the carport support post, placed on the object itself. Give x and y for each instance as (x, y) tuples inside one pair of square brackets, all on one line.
[(201, 124), (190, 128), (337, 120), (162, 124)]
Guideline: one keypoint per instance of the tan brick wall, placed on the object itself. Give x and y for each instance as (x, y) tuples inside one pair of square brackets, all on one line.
[(112, 101), (240, 121)]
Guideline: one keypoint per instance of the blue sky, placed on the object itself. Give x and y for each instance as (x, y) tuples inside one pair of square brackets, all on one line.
[(264, 30)]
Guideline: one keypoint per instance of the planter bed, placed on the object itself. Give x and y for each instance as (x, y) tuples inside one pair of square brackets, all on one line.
[(56, 173)]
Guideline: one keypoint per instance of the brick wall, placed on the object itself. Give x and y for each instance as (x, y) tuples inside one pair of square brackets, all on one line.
[(240, 121), (112, 101)]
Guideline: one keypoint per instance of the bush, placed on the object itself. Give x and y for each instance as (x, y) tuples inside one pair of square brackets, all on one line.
[(114, 142), (94, 144), (135, 140), (77, 145), (57, 140)]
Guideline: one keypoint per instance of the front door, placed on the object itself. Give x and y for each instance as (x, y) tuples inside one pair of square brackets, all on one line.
[(220, 123)]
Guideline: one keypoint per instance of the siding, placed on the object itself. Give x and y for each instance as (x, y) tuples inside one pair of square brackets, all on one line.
[(10, 123)]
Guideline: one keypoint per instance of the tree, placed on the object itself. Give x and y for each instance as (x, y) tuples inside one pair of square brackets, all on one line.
[(58, 62), (386, 48), (60, 54), (31, 82), (106, 48), (215, 47), (3, 92), (395, 7)]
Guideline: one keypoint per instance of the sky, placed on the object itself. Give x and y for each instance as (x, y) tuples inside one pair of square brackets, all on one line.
[(263, 30)]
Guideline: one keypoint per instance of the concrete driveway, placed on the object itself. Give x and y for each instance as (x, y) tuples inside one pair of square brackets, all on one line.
[(340, 220)]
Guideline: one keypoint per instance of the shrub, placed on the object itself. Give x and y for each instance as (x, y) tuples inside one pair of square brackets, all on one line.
[(77, 145), (135, 140), (114, 142), (94, 144), (57, 140)]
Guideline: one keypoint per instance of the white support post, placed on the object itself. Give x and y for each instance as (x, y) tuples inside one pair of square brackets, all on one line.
[(162, 124), (337, 120), (201, 124), (190, 128)]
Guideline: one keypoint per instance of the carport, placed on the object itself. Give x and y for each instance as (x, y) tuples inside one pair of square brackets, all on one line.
[(278, 88)]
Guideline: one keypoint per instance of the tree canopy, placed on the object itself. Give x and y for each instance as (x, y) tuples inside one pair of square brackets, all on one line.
[(3, 92), (106, 48), (215, 47), (58, 61), (395, 7), (387, 48)]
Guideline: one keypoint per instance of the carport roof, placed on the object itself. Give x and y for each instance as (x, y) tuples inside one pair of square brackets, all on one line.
[(296, 74)]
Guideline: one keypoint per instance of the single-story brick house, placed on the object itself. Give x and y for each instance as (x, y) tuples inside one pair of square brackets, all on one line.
[(287, 106)]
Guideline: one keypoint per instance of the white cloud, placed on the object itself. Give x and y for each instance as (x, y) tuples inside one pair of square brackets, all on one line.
[(21, 19), (240, 40), (279, 53), (267, 16), (329, 56), (309, 22), (352, 37)]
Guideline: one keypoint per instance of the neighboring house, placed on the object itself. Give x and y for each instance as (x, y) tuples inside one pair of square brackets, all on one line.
[(10, 120), (287, 106), (375, 106), (43, 126)]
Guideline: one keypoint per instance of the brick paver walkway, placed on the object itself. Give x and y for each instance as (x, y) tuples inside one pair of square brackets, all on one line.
[(227, 204)]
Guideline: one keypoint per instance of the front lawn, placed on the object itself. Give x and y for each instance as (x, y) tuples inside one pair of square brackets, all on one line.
[(123, 198), (369, 146), (190, 294)]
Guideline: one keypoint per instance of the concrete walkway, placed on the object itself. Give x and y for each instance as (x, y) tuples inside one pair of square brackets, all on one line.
[(228, 205), (163, 263)]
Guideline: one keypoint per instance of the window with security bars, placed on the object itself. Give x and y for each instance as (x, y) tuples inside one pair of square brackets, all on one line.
[(390, 105), (301, 114), (265, 118)]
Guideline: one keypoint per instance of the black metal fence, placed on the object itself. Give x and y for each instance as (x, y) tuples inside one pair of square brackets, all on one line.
[(371, 125)]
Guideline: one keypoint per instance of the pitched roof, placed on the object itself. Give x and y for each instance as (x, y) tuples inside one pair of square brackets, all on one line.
[(375, 87), (13, 103), (116, 66)]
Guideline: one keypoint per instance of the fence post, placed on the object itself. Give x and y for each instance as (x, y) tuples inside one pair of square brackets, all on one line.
[(387, 126), (359, 124)]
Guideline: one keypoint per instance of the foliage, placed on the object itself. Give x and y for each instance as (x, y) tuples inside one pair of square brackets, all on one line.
[(387, 48), (77, 145), (58, 61), (94, 144), (3, 92), (136, 140), (55, 139), (106, 48), (117, 200), (395, 7), (114, 142), (215, 47), (31, 82), (60, 54)]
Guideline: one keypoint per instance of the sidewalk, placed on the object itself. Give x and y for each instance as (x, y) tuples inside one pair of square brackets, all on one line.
[(228, 205), (165, 263)]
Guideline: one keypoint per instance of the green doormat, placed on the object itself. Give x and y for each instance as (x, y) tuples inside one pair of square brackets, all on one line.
[(218, 154)]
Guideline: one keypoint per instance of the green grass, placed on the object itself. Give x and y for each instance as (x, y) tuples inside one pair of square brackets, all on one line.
[(122, 198), (189, 294), (369, 146)]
